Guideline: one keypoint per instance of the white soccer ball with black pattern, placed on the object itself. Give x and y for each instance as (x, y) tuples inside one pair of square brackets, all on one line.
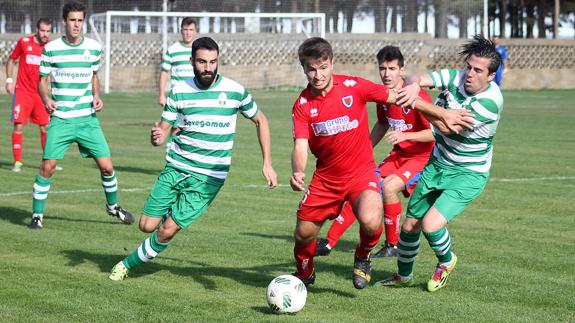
[(286, 294)]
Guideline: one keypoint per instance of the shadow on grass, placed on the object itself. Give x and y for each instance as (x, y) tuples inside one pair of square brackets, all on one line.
[(15, 216), (138, 170), (342, 245), (202, 273)]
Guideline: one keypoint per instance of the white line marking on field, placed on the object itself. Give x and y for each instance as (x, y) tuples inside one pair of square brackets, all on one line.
[(128, 190)]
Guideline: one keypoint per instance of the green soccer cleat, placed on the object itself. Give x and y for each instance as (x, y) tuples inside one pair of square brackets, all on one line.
[(398, 281), (119, 272), (439, 279)]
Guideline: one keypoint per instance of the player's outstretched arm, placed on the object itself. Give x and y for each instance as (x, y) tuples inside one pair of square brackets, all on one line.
[(446, 121), (263, 130), (159, 132), (298, 164), (378, 132), (395, 137), (408, 94)]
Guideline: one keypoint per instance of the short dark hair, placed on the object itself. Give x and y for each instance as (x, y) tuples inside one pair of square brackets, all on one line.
[(43, 21), (204, 43), (390, 53), (73, 7), (188, 21), (482, 47), (316, 48)]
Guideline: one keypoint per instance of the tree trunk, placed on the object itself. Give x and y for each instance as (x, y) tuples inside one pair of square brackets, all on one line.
[(426, 11), (441, 19), (530, 20), (502, 16), (541, 13), (380, 15), (393, 27)]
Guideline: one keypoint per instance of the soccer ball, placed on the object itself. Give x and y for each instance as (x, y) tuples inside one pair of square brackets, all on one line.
[(286, 294)]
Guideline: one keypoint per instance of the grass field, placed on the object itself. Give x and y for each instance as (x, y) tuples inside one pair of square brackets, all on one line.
[(516, 243)]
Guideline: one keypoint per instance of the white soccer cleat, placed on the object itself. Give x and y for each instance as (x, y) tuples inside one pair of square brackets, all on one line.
[(119, 272)]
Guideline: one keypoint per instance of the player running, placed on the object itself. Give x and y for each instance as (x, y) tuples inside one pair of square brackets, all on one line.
[(459, 165), (27, 103), (199, 158), (410, 134), (330, 117)]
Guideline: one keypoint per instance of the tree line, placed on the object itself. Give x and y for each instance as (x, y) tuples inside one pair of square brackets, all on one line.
[(521, 16)]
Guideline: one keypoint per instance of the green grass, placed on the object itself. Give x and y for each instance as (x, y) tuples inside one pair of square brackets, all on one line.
[(515, 243)]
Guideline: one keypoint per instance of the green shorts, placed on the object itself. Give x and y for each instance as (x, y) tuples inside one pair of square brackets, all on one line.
[(185, 196), (450, 190), (88, 135)]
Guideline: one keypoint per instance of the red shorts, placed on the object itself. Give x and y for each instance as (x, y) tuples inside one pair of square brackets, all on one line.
[(324, 199), (406, 168), (29, 105)]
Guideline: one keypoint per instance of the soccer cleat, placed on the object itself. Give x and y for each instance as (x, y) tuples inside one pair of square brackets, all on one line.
[(323, 248), (307, 281), (117, 211), (17, 168), (361, 272), (439, 279), (398, 281), (36, 222), (119, 272), (387, 251), (59, 168)]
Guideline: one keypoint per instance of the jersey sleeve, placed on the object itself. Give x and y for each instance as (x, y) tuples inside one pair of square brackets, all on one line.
[(372, 92), (443, 78), (380, 110), (248, 107), (301, 127), (166, 61), (170, 113), (486, 111), (45, 63), (97, 59), (17, 51)]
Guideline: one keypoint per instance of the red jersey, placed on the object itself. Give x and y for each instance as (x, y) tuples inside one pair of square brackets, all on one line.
[(336, 126), (406, 120), (28, 52)]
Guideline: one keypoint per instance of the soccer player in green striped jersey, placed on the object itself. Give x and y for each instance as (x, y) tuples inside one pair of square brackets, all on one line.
[(176, 65), (70, 64), (459, 165), (198, 159)]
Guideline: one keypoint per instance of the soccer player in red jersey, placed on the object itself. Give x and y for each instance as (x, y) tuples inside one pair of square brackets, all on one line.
[(27, 103), (410, 134), (330, 117)]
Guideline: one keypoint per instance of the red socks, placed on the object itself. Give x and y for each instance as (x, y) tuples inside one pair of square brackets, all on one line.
[(367, 243), (17, 146), (304, 254), (340, 225), (392, 220)]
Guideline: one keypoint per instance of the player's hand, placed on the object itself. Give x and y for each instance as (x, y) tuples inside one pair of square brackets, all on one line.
[(270, 175), (296, 181), (162, 100), (10, 88), (394, 137), (50, 106), (98, 103), (457, 120), (157, 135), (407, 95)]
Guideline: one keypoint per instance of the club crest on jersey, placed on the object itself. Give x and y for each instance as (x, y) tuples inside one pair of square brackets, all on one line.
[(222, 98), (406, 110), (86, 55), (29, 48), (347, 101)]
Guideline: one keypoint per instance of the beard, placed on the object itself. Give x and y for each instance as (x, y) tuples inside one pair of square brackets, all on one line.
[(205, 79)]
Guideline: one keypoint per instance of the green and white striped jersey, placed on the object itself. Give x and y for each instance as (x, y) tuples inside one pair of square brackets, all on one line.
[(71, 68), (176, 60), (470, 149), (207, 122)]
